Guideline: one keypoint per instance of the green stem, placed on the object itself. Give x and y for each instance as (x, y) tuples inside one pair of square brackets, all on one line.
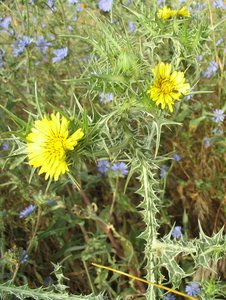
[(88, 276), (115, 191), (151, 230), (35, 230)]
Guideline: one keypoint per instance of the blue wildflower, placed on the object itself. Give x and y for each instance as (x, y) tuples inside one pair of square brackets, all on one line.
[(219, 4), (5, 146), (211, 70), (51, 4), (42, 44), (132, 27), (120, 167), (218, 115), (4, 23), (169, 296), (220, 41), (197, 7), (163, 171), (105, 5), (72, 2), (206, 141), (24, 257), (27, 211), (20, 45), (176, 233), (103, 166), (181, 1), (192, 289), (60, 54), (105, 98), (176, 157), (200, 6)]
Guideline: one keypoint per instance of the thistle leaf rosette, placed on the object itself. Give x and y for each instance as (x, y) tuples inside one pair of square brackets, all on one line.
[(48, 144), (167, 87)]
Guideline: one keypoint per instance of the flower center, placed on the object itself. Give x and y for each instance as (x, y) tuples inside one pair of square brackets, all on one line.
[(166, 86), (56, 147)]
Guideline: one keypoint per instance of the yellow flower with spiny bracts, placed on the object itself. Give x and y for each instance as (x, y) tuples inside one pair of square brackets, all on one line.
[(167, 87), (183, 12), (166, 13), (48, 143)]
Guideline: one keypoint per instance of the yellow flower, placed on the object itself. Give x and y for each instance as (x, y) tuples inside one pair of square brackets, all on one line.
[(48, 143), (166, 13), (183, 12), (167, 87)]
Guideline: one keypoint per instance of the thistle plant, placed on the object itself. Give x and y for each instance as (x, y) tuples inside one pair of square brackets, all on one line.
[(96, 99)]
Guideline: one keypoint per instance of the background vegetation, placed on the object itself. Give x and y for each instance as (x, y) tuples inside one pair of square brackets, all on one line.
[(146, 188)]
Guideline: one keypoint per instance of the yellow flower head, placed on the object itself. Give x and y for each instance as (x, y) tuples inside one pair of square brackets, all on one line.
[(166, 13), (48, 143), (167, 86), (183, 12)]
